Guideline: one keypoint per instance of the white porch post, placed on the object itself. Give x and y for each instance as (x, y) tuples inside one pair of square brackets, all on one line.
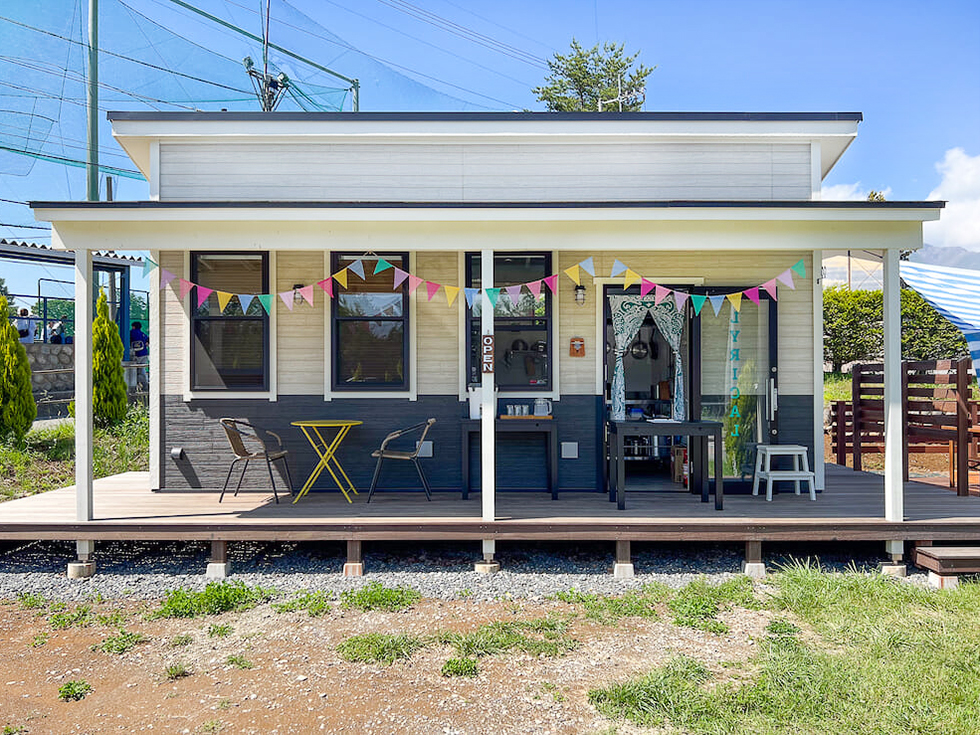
[(488, 480), (153, 384), (892, 311), (819, 468), (83, 407)]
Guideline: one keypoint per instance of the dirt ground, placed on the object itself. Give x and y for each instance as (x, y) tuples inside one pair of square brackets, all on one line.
[(300, 684)]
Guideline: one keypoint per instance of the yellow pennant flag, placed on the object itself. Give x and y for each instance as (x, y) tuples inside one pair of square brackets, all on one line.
[(451, 293), (223, 298), (736, 299), (630, 277), (573, 274), (341, 277)]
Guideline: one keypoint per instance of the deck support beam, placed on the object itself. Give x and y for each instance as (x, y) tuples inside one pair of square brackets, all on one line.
[(623, 568), (354, 566), (753, 566), (894, 439), (218, 565), (487, 565)]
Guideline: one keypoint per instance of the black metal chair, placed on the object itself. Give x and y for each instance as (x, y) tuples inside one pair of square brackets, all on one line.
[(383, 453), (238, 432)]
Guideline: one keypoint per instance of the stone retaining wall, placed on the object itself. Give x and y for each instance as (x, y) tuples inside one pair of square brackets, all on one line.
[(43, 357)]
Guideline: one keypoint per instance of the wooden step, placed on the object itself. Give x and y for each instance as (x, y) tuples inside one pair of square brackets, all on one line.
[(949, 559)]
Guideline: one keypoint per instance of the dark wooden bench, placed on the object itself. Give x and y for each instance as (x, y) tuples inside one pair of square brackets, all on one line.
[(945, 563)]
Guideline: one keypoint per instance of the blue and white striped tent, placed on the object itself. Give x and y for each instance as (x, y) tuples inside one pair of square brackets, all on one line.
[(955, 293)]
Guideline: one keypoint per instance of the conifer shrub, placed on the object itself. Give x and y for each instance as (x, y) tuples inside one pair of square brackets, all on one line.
[(17, 407), (109, 394)]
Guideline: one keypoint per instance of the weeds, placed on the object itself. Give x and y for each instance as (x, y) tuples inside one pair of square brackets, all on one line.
[(670, 694), (315, 603), (374, 596), (184, 639), (210, 727), (697, 604), (459, 667), (607, 610), (39, 640), (72, 691), (379, 648), (176, 671), (80, 617), (217, 630), (239, 662), (121, 643), (32, 600), (216, 598), (541, 637)]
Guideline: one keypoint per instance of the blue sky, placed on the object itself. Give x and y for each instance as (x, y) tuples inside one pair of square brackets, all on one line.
[(912, 68)]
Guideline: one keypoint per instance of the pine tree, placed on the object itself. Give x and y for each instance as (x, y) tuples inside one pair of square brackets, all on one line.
[(17, 407), (109, 395)]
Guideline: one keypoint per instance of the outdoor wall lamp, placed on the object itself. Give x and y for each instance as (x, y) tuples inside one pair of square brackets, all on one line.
[(580, 295)]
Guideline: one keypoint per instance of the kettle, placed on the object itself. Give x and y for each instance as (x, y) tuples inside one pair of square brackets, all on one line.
[(542, 407)]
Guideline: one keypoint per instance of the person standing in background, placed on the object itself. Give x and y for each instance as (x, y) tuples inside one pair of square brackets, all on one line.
[(25, 327), (139, 346)]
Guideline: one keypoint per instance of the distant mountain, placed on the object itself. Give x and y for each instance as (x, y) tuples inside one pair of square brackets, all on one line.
[(951, 257)]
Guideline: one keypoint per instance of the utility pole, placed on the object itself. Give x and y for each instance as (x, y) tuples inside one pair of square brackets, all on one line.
[(92, 163), (629, 97)]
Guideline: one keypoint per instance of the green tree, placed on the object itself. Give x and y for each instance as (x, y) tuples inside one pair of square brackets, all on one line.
[(59, 310), (110, 399), (17, 407), (581, 78), (851, 325), (927, 334)]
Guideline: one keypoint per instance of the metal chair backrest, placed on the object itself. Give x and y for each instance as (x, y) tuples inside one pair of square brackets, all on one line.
[(236, 436), (424, 426)]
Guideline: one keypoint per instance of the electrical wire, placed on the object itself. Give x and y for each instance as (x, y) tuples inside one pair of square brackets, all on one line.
[(24, 227), (502, 27)]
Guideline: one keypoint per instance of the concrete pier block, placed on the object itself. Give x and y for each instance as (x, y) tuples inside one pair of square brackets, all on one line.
[(81, 569), (623, 571), (944, 581)]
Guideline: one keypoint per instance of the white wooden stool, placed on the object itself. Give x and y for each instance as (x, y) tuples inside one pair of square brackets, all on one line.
[(800, 472)]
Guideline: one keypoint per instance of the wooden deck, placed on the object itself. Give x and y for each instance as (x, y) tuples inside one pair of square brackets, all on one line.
[(851, 508)]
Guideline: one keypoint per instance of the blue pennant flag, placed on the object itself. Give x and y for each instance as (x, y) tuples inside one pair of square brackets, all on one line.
[(357, 267), (617, 269), (470, 295), (245, 299), (716, 302), (587, 266)]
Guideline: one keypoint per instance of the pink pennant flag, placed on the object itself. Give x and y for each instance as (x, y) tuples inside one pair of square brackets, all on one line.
[(752, 294), (679, 298), (185, 287), (514, 292), (166, 277), (660, 293), (535, 288), (552, 283), (327, 285), (413, 283), (786, 278), (770, 287), (400, 277), (202, 295), (287, 298), (307, 293), (431, 289), (646, 286)]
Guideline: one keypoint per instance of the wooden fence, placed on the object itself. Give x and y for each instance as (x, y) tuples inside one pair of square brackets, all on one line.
[(937, 415)]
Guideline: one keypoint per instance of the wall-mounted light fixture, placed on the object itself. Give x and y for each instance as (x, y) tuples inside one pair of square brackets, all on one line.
[(580, 295)]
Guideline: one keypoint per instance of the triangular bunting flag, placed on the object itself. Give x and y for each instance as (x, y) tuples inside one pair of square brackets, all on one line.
[(752, 294), (266, 300), (223, 298), (716, 303), (552, 283), (307, 293), (646, 286), (288, 297), (770, 287), (736, 299), (382, 265), (202, 295), (660, 293), (697, 301), (166, 277), (413, 283), (357, 267), (786, 278), (800, 268), (470, 294), (587, 266), (431, 289), (341, 277), (400, 277), (148, 267), (514, 292), (185, 287), (617, 269), (630, 277), (572, 272), (679, 298), (451, 293), (492, 294), (535, 288), (327, 285), (245, 300)]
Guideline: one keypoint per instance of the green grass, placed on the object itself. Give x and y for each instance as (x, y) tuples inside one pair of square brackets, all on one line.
[(39, 640), (13, 729), (379, 648), (214, 599), (836, 387), (219, 631), (459, 667), (32, 601), (72, 691), (541, 637), (239, 662), (697, 604), (607, 610), (176, 671), (184, 639), (375, 596), (315, 603), (121, 643), (80, 617)]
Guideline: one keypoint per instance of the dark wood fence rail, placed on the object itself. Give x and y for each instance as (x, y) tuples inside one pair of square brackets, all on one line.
[(937, 415)]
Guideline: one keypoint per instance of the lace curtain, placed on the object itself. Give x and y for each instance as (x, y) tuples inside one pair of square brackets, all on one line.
[(628, 313)]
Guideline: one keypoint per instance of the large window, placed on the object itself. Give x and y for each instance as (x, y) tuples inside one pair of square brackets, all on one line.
[(230, 350), (522, 329), (370, 328)]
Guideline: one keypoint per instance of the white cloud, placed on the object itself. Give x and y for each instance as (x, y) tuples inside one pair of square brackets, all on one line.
[(959, 223), (849, 193)]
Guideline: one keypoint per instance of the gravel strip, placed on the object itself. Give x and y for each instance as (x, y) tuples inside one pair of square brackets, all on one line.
[(145, 570)]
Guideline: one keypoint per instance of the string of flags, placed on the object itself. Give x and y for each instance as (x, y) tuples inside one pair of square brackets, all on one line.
[(341, 278)]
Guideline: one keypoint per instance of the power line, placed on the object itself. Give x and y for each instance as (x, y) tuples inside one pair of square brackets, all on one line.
[(498, 25), (14, 201), (24, 227)]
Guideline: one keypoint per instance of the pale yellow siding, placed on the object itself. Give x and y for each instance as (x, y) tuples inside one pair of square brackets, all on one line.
[(438, 326), (299, 333), (173, 329)]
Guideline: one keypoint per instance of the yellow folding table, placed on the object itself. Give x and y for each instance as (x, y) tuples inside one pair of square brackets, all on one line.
[(327, 452)]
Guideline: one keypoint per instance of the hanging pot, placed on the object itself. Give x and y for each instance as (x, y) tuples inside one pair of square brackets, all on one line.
[(639, 350)]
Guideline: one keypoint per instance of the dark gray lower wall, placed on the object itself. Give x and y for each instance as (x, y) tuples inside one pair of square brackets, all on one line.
[(194, 427), (796, 423)]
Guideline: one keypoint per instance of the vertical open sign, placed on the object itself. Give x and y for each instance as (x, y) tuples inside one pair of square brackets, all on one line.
[(487, 352)]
